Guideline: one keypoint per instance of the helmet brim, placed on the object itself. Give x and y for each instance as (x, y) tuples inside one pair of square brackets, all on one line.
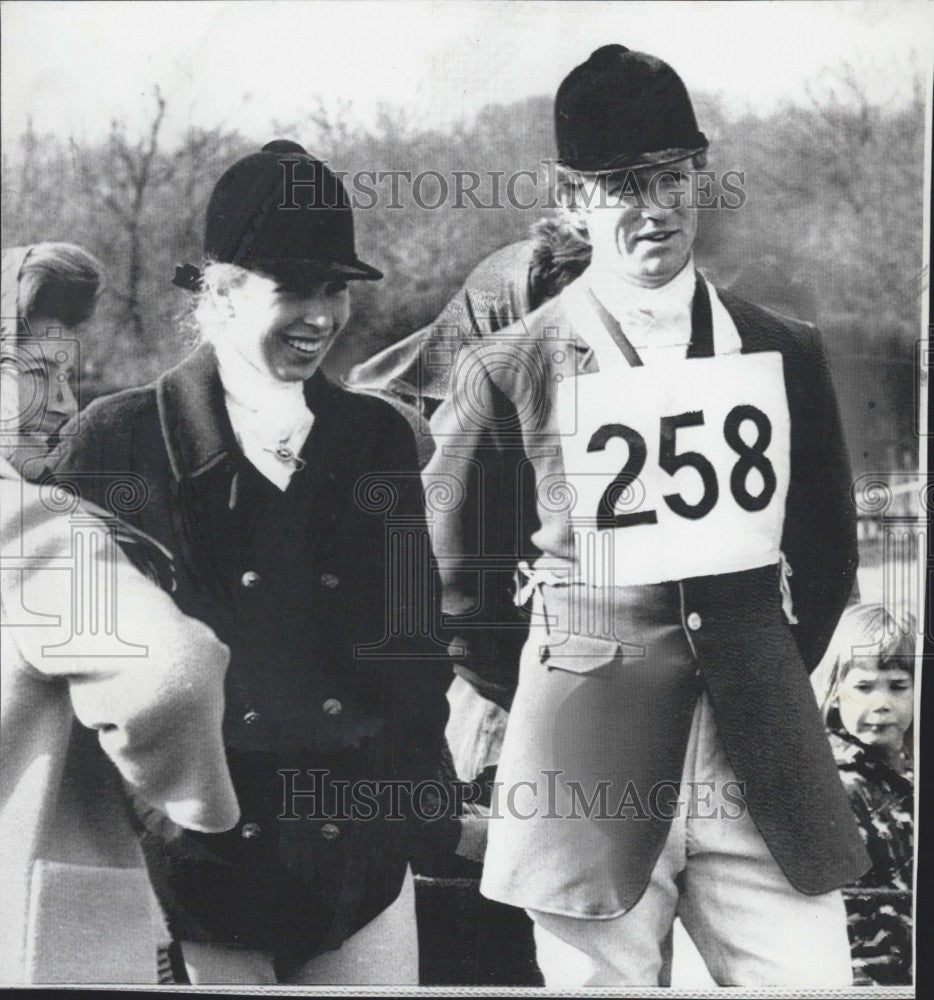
[(297, 275), (630, 161)]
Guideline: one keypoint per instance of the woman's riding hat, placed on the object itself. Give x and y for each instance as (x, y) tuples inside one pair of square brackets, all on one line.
[(283, 212), (622, 110)]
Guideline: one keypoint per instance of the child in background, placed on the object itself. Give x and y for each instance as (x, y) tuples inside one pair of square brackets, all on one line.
[(865, 687)]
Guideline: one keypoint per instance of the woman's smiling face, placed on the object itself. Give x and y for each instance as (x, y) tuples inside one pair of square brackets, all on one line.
[(283, 332)]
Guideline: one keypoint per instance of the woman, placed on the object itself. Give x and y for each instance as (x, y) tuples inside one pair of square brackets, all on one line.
[(48, 290), (279, 494)]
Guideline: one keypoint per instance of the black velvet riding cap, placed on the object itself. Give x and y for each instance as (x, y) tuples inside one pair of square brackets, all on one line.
[(623, 109), (283, 212)]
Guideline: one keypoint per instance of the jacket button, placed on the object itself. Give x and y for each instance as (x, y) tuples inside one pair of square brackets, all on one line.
[(332, 707), (251, 831), (694, 621), (251, 717), (250, 578), (329, 580), (329, 831)]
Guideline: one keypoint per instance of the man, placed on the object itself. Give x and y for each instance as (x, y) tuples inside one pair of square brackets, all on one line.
[(670, 463)]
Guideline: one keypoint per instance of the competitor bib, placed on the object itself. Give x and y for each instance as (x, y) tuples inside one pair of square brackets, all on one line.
[(676, 470)]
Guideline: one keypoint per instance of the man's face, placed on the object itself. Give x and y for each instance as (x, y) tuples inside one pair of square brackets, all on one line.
[(284, 333), (641, 223)]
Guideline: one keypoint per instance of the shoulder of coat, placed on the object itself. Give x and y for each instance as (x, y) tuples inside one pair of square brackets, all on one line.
[(368, 412), (786, 332), (118, 409), (515, 356), (509, 264)]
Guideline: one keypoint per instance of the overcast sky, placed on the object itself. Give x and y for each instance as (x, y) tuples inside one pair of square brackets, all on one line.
[(75, 66)]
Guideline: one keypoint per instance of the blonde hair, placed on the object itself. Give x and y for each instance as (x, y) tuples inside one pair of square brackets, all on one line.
[(865, 632), (204, 315)]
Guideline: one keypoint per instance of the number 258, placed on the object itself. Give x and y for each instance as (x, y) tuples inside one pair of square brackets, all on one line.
[(749, 456)]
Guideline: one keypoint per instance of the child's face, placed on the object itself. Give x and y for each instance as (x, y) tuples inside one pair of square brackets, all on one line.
[(876, 706)]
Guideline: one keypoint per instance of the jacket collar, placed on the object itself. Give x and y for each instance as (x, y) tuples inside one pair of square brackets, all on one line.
[(193, 415), (760, 329), (571, 301)]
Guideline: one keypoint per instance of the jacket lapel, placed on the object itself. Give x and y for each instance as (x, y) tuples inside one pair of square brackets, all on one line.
[(199, 438), (757, 330), (701, 345), (193, 416)]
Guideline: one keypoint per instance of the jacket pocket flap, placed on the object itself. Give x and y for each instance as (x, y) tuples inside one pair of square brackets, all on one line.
[(586, 654)]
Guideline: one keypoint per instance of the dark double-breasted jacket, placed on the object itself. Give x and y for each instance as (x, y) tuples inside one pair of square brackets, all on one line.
[(324, 594), (619, 721)]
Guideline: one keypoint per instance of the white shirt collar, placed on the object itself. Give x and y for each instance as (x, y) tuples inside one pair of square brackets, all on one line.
[(258, 391), (649, 316), (265, 412)]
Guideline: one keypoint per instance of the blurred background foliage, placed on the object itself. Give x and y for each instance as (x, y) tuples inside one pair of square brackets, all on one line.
[(830, 231)]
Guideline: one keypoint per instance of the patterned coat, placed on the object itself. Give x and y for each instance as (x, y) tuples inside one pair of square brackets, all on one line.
[(879, 902)]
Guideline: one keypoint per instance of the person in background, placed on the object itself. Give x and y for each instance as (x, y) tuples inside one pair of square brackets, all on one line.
[(276, 489), (865, 690), (81, 731), (47, 290)]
